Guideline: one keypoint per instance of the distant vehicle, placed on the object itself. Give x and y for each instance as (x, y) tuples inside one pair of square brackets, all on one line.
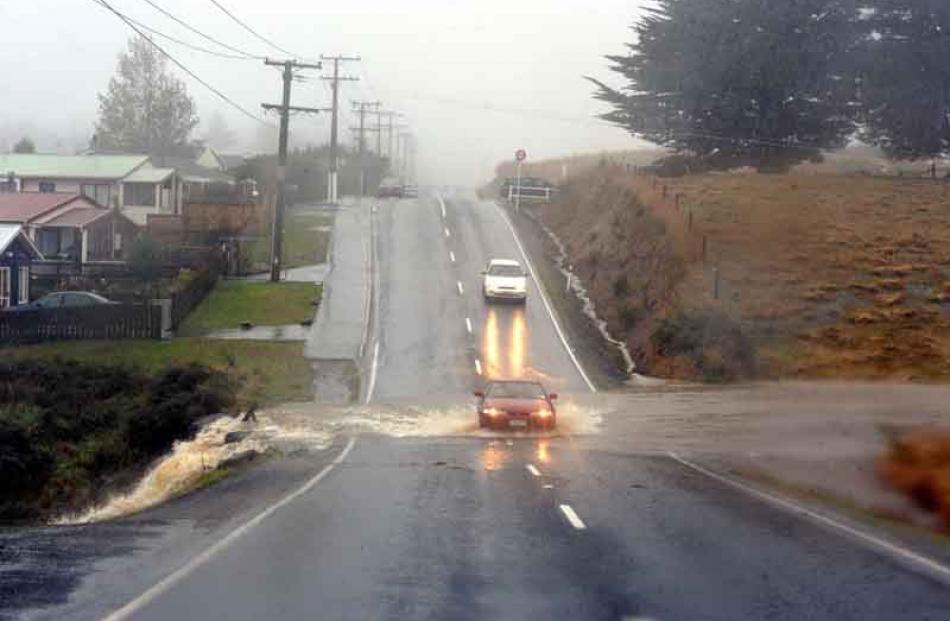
[(64, 299), (390, 188), (505, 279), (410, 191), (506, 404)]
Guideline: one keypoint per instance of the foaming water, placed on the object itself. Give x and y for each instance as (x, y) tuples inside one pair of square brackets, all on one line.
[(179, 470), (310, 427)]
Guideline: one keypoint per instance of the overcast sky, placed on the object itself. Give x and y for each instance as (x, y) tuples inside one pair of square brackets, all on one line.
[(475, 78)]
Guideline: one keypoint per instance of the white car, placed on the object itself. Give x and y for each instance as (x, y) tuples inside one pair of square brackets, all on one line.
[(505, 280)]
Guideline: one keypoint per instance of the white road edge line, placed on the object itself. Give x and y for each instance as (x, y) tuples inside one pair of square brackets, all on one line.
[(533, 470), (451, 256), (572, 517), (918, 561), (448, 233), (478, 366), (441, 205), (547, 304), (458, 283), (372, 374), (143, 600), (468, 325)]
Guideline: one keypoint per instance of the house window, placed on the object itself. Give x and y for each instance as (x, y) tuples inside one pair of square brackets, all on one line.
[(99, 192), (48, 241), (4, 287), (24, 285), (47, 186), (139, 194), (117, 246)]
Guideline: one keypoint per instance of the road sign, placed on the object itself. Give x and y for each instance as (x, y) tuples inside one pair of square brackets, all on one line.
[(520, 155)]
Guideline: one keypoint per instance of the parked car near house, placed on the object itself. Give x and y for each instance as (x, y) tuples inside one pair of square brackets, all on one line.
[(62, 299)]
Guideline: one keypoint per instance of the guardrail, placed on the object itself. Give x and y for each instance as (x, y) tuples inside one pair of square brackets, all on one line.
[(530, 192), (102, 321)]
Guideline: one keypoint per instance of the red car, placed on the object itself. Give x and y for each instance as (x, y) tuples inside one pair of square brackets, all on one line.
[(516, 405)]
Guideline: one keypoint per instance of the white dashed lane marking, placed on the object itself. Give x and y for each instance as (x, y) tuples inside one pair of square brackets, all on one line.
[(478, 366), (460, 288), (572, 517), (533, 470), (468, 325), (451, 256)]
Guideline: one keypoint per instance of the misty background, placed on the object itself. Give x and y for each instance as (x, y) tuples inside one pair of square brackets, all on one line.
[(475, 79)]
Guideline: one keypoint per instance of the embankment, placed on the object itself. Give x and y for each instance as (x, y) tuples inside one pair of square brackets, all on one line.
[(723, 277)]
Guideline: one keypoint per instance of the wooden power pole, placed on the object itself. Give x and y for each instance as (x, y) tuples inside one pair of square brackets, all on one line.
[(284, 109), (335, 79)]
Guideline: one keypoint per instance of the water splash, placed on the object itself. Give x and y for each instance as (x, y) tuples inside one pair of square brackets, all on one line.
[(179, 471)]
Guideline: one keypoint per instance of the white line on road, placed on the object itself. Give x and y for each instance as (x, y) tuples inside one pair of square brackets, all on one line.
[(917, 561), (143, 600), (460, 288), (478, 366), (442, 206), (448, 233), (572, 517), (372, 374), (451, 256), (548, 486), (468, 325), (547, 304), (533, 470)]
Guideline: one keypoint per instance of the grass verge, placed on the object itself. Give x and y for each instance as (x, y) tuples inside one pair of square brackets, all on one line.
[(269, 372), (306, 240), (232, 302)]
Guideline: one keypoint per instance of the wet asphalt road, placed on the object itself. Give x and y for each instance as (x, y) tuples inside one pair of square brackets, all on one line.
[(495, 527)]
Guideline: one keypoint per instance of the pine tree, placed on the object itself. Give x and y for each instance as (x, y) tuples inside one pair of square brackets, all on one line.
[(738, 81), (145, 109), (907, 77)]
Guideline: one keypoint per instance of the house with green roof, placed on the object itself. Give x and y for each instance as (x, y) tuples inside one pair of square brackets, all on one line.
[(130, 182)]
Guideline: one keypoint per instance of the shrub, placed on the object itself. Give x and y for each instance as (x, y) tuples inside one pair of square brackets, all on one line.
[(714, 343), (66, 426)]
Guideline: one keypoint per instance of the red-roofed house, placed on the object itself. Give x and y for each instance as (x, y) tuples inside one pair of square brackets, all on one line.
[(68, 227)]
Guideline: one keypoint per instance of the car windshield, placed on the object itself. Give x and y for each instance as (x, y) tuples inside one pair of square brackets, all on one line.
[(505, 270), (514, 390)]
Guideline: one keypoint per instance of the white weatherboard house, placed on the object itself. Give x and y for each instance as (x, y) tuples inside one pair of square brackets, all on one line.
[(129, 182)]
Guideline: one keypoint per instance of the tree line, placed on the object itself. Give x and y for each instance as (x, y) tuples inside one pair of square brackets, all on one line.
[(772, 83)]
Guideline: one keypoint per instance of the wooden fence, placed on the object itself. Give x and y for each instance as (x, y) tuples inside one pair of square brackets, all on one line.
[(104, 321), (185, 301)]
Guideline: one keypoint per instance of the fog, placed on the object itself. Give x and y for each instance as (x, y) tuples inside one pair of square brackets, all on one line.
[(475, 79)]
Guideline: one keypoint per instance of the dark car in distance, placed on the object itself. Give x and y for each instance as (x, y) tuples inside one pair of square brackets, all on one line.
[(515, 404)]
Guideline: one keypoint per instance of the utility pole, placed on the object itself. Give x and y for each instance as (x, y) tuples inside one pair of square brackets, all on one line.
[(284, 109), (362, 107), (336, 79)]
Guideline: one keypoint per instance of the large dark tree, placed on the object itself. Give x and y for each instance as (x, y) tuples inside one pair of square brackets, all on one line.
[(146, 109), (906, 89), (761, 82)]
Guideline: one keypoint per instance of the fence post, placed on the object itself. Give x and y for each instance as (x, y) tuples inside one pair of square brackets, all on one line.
[(716, 283), (704, 250), (689, 224)]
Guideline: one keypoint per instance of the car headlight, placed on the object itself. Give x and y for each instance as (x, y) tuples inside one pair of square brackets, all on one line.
[(543, 413), (493, 412)]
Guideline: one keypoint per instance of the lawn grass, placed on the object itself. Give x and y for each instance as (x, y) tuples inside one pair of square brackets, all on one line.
[(269, 372), (305, 241), (233, 302)]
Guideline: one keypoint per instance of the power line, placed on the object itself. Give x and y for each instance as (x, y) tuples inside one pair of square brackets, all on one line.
[(192, 46), (251, 30), (178, 64), (201, 34)]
